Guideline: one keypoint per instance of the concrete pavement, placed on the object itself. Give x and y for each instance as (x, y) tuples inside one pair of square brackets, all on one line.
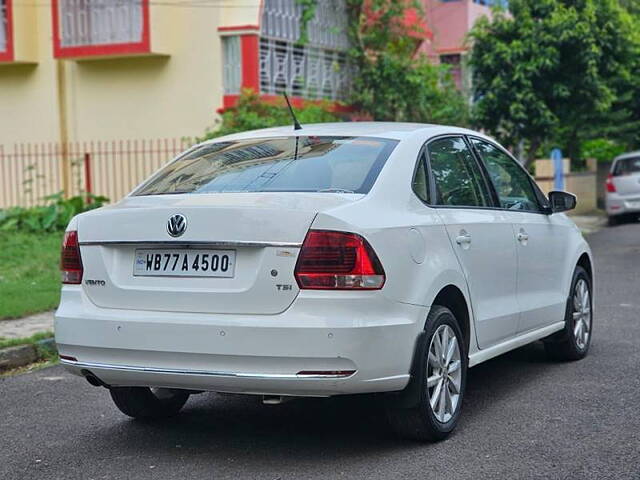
[(27, 326)]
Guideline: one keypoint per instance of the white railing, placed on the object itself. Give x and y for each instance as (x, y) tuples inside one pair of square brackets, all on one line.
[(303, 71), (100, 22), (281, 20), (3, 26), (317, 69)]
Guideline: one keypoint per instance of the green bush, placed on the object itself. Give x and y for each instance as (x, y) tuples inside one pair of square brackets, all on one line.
[(51, 217), (251, 113), (602, 149)]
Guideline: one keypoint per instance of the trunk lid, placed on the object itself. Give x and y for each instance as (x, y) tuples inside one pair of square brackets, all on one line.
[(628, 184), (264, 230)]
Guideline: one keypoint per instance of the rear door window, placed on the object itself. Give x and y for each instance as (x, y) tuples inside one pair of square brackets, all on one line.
[(283, 164), (457, 177)]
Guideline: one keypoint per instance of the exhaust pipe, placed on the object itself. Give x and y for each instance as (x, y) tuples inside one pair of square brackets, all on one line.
[(275, 399), (93, 380)]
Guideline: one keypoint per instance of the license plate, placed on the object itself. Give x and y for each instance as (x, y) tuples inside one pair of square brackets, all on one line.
[(184, 262), (634, 204)]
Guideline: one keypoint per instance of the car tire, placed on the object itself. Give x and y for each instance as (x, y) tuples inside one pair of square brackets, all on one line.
[(613, 220), (148, 403), (573, 342), (425, 421)]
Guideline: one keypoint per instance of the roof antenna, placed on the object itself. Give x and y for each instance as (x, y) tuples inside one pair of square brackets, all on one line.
[(296, 124)]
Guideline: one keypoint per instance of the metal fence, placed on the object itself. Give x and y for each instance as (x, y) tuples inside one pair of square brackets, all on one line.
[(31, 171)]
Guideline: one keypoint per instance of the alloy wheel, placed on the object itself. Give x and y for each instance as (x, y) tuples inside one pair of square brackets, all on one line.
[(581, 314), (444, 373)]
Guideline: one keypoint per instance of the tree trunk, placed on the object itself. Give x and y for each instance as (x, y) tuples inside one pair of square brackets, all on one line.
[(534, 145)]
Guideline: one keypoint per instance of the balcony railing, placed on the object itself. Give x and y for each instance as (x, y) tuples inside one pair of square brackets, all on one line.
[(100, 27), (317, 69), (304, 71)]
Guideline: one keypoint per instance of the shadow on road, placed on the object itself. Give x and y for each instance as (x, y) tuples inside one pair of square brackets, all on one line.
[(310, 428)]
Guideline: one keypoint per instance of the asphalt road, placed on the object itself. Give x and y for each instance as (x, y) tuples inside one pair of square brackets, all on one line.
[(524, 417)]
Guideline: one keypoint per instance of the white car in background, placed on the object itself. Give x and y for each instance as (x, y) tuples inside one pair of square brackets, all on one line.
[(336, 259), (623, 188)]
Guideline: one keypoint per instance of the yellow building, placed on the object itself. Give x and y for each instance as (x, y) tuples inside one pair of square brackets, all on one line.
[(95, 95), (85, 70)]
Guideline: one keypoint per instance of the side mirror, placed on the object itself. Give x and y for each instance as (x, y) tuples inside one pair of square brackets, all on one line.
[(561, 201)]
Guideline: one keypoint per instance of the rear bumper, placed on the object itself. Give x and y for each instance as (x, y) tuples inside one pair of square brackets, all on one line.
[(621, 205), (361, 332)]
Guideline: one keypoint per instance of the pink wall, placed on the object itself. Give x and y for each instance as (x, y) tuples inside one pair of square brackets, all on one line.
[(450, 22)]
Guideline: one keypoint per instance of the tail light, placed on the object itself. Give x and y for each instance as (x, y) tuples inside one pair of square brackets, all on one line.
[(611, 188), (338, 261), (70, 261)]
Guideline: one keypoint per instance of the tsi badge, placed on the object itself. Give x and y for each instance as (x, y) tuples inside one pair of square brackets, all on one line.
[(176, 225)]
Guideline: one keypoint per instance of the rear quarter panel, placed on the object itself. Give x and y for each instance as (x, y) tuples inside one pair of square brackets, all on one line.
[(409, 237)]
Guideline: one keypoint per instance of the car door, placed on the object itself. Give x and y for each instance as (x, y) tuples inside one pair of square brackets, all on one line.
[(541, 239), (480, 235)]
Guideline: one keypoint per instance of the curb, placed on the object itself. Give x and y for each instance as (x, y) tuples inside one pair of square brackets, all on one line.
[(21, 355), (13, 357), (48, 345)]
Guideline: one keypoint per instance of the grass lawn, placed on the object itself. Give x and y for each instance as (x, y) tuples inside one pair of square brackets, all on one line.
[(29, 273)]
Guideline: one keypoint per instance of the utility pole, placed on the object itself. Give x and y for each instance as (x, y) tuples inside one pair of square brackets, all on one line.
[(65, 164)]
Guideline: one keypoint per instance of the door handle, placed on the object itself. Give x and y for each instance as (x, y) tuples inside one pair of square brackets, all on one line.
[(522, 237), (463, 239)]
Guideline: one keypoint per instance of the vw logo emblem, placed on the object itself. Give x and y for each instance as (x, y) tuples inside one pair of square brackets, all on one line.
[(176, 225)]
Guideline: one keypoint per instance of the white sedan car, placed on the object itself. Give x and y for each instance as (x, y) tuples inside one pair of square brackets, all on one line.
[(336, 259)]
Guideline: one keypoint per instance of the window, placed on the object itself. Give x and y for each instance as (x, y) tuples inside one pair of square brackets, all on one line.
[(491, 3), (455, 66), (420, 183), (4, 26), (451, 59), (458, 179), (232, 62), (85, 29), (100, 22), (511, 182), (627, 166), (283, 164)]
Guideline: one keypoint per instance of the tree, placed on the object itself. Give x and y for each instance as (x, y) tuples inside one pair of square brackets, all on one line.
[(394, 82), (549, 69), (397, 89), (251, 113)]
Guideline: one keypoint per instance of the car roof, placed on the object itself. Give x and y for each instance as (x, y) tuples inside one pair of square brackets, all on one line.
[(391, 130), (627, 155)]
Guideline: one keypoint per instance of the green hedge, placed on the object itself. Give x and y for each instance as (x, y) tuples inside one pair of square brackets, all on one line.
[(51, 217)]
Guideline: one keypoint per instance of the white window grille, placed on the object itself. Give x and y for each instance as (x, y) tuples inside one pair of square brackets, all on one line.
[(282, 20), (100, 22), (317, 69), (3, 26), (232, 61)]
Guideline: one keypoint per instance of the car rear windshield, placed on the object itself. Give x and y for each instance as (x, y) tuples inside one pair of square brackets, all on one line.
[(627, 166), (284, 164)]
